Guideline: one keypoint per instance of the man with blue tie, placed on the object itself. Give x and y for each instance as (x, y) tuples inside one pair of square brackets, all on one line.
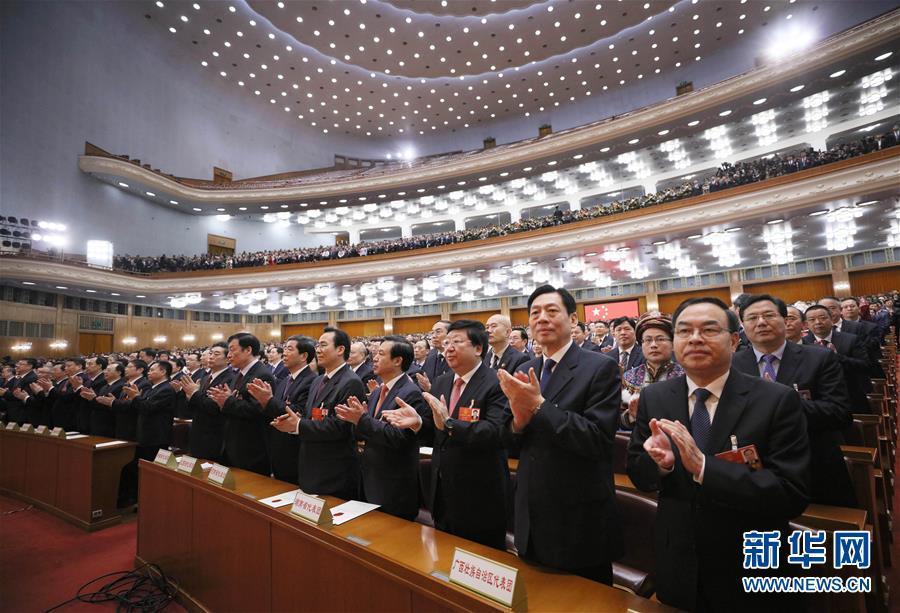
[(565, 424), (390, 458), (275, 357), (682, 447)]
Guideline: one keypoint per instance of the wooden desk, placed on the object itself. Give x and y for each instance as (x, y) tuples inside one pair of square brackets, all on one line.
[(71, 479), (230, 553)]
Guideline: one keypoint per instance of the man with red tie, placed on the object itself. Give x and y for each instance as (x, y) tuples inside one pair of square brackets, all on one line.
[(390, 458), (469, 474)]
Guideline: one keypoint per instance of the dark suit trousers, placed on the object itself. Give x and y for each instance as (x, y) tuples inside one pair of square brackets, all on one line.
[(468, 528)]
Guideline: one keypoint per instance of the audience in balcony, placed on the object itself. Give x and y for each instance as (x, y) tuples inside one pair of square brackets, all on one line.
[(728, 175)]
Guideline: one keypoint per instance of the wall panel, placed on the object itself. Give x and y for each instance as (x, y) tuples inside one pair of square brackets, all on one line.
[(414, 325), (313, 330), (481, 316), (365, 327), (807, 289), (875, 281), (669, 302)]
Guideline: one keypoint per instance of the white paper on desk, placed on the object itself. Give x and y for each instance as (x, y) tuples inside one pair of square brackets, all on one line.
[(109, 444), (426, 450), (350, 510), (206, 465), (74, 436), (280, 500)]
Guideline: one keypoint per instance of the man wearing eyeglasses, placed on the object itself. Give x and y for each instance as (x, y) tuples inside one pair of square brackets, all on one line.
[(706, 501), (816, 374)]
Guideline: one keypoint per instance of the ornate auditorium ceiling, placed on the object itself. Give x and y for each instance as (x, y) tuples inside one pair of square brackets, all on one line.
[(401, 68)]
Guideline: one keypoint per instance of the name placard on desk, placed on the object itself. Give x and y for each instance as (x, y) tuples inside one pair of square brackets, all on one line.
[(166, 458), (190, 465), (221, 476), (12, 426), (58, 432), (42, 429), (491, 579), (311, 509), (27, 428)]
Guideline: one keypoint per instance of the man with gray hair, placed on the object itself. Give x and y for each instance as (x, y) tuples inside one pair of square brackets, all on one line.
[(501, 354)]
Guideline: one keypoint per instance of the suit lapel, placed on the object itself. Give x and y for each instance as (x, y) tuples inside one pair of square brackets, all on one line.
[(562, 374), (790, 362), (728, 411), (680, 402)]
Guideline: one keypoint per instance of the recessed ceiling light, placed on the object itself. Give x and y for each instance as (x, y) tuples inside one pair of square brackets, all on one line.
[(867, 203), (140, 296), (173, 202), (835, 75), (242, 208), (590, 254), (691, 124), (123, 184), (760, 101), (725, 113), (662, 132), (604, 150), (772, 222), (27, 283), (659, 242), (526, 169), (735, 229), (817, 213), (797, 88), (91, 291), (884, 56), (61, 287), (114, 294), (634, 141), (198, 210), (693, 237), (264, 208), (151, 194)]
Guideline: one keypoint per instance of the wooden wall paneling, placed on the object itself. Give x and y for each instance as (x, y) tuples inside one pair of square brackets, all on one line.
[(236, 573), (363, 327), (90, 342), (328, 581), (807, 289), (73, 472), (165, 528), (415, 325), (43, 469), (314, 330), (519, 317), (13, 463), (481, 316), (669, 302), (874, 281)]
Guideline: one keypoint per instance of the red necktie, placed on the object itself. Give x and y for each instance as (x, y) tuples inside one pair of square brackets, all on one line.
[(381, 396), (455, 394)]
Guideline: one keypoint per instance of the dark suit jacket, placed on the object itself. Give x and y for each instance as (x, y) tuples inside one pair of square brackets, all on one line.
[(606, 342), (565, 495), (65, 405), (589, 345), (469, 474), (509, 361), (39, 408), (15, 408), (635, 357), (86, 407), (390, 459), (103, 420), (699, 528), (815, 371), (207, 422), (155, 409), (284, 448), (870, 336), (246, 429), (854, 361), (126, 414), (329, 462), (280, 371), (365, 374), (435, 365)]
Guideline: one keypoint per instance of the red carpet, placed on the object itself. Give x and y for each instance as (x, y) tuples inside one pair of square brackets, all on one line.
[(44, 560)]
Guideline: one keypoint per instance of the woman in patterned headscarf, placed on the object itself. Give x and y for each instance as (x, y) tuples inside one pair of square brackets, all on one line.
[(654, 333)]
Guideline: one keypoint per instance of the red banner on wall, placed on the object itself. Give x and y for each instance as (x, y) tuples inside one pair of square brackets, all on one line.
[(607, 311)]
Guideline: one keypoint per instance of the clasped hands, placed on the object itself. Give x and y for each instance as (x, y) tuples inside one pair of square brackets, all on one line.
[(658, 445), (524, 394)]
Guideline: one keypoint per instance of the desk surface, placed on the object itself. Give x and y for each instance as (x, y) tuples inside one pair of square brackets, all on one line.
[(400, 551)]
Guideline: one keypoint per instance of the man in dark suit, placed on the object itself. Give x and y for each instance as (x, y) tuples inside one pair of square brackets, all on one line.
[(501, 355), (15, 403), (155, 408), (44, 392), (103, 420), (601, 336), (275, 355), (359, 363), (707, 503), (93, 382), (389, 464), (469, 475), (816, 375), (626, 352), (518, 338), (245, 430), (868, 331), (564, 422), (849, 351), (207, 422), (435, 364), (329, 463), (67, 400), (580, 336), (290, 391)]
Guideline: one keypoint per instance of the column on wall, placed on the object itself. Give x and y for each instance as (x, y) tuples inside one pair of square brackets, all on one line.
[(652, 297), (735, 284), (504, 305), (388, 320), (840, 276)]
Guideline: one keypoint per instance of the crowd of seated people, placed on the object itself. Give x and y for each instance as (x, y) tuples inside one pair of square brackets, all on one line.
[(728, 175), (553, 393)]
